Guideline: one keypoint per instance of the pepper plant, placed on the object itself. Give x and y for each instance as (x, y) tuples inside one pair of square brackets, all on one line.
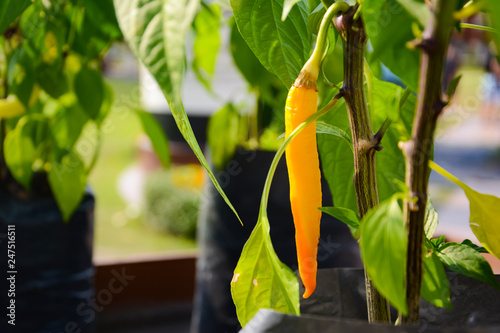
[(53, 98), (375, 139)]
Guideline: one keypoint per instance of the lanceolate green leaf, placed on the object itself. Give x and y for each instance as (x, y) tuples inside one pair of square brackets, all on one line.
[(260, 280), (383, 245), (10, 10), (435, 286), (156, 31), (157, 136), (67, 179), (463, 259), (388, 26), (484, 213), (281, 46)]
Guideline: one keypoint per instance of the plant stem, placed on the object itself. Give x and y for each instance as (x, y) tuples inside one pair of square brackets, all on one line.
[(364, 141), (417, 151)]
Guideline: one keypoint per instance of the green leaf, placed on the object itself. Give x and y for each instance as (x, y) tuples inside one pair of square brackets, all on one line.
[(431, 220), (66, 123), (437, 242), (325, 128), (388, 25), (156, 31), (418, 9), (452, 87), (102, 13), (314, 19), (247, 63), (383, 245), (345, 215), (10, 10), (260, 280), (465, 260), (52, 79), (484, 213), (223, 135), (21, 75), (206, 43), (67, 179), (19, 151), (281, 47), (493, 7), (479, 249), (157, 136), (435, 286), (287, 7), (89, 88)]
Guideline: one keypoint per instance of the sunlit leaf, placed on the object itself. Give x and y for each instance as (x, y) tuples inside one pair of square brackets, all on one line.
[(157, 136), (223, 135), (67, 179), (260, 280), (465, 260), (281, 46), (156, 31), (206, 43), (431, 220), (435, 286), (418, 9), (484, 213), (325, 128), (19, 152), (383, 245)]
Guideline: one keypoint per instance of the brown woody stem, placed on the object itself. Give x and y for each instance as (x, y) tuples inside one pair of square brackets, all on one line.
[(364, 140), (417, 151)]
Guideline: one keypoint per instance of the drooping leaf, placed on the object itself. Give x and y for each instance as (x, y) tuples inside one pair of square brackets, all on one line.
[(89, 88), (484, 213), (383, 245), (431, 220), (66, 123), (206, 43), (157, 137), (67, 179), (388, 26), (463, 259), (435, 286), (156, 31), (260, 280), (10, 10), (281, 46)]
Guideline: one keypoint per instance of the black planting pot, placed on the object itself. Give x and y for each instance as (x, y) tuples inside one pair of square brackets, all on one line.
[(52, 279), (339, 305), (221, 237)]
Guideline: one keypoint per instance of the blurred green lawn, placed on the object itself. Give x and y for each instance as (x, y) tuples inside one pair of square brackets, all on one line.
[(119, 232)]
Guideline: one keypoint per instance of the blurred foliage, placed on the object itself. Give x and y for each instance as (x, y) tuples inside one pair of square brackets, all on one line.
[(172, 200), (52, 67)]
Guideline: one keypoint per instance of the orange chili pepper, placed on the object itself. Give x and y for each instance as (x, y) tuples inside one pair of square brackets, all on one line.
[(305, 178)]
